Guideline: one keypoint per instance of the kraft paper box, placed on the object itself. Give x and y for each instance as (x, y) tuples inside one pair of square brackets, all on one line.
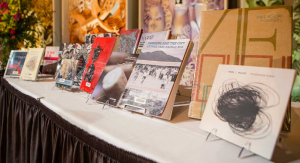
[(251, 36)]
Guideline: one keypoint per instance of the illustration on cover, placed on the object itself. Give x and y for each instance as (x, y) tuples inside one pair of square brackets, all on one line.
[(114, 78), (82, 56), (95, 16), (67, 51), (183, 18), (99, 55), (243, 107), (66, 73), (15, 63), (246, 106), (129, 40), (32, 64), (152, 79)]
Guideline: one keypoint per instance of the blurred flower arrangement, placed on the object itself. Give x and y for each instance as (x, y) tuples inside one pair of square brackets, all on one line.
[(44, 11), (17, 26)]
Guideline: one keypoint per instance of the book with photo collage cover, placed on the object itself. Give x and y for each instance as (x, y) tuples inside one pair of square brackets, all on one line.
[(152, 87)]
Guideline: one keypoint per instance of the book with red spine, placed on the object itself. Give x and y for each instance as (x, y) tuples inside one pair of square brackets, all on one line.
[(99, 56)]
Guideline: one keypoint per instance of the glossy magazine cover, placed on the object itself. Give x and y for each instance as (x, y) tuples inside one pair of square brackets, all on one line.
[(99, 55), (15, 63), (114, 78)]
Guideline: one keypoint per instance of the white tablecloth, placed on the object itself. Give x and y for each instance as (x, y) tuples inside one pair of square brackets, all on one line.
[(178, 140)]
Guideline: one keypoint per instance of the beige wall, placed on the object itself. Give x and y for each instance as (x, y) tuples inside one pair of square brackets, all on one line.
[(65, 21), (57, 36)]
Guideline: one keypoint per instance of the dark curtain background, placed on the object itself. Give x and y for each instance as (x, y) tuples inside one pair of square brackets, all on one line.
[(32, 133)]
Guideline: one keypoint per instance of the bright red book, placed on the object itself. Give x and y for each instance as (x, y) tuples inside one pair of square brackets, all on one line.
[(100, 53)]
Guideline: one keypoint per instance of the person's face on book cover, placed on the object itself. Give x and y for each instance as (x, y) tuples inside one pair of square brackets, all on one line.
[(156, 18)]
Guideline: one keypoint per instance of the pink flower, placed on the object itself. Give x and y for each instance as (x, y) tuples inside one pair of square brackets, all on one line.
[(13, 37), (12, 31), (3, 5), (17, 16)]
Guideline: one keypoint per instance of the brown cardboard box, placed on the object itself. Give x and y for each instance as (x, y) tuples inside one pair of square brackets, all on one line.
[(251, 36)]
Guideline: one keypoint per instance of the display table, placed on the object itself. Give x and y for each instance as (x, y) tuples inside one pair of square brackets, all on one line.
[(62, 127)]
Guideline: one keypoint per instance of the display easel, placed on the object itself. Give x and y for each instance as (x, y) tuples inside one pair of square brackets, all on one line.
[(244, 152)]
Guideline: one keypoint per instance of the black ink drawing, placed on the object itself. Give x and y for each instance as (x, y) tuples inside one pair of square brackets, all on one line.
[(90, 72), (243, 107)]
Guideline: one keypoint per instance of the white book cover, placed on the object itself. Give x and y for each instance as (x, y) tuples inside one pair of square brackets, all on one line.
[(247, 105), (32, 64), (154, 36)]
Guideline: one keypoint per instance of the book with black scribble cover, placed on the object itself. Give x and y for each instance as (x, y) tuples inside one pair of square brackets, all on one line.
[(247, 105), (251, 36)]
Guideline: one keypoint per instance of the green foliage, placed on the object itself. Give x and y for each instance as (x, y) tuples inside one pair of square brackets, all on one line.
[(296, 89), (24, 25), (296, 50)]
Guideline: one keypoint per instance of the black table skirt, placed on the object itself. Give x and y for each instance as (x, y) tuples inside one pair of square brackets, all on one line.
[(32, 133)]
